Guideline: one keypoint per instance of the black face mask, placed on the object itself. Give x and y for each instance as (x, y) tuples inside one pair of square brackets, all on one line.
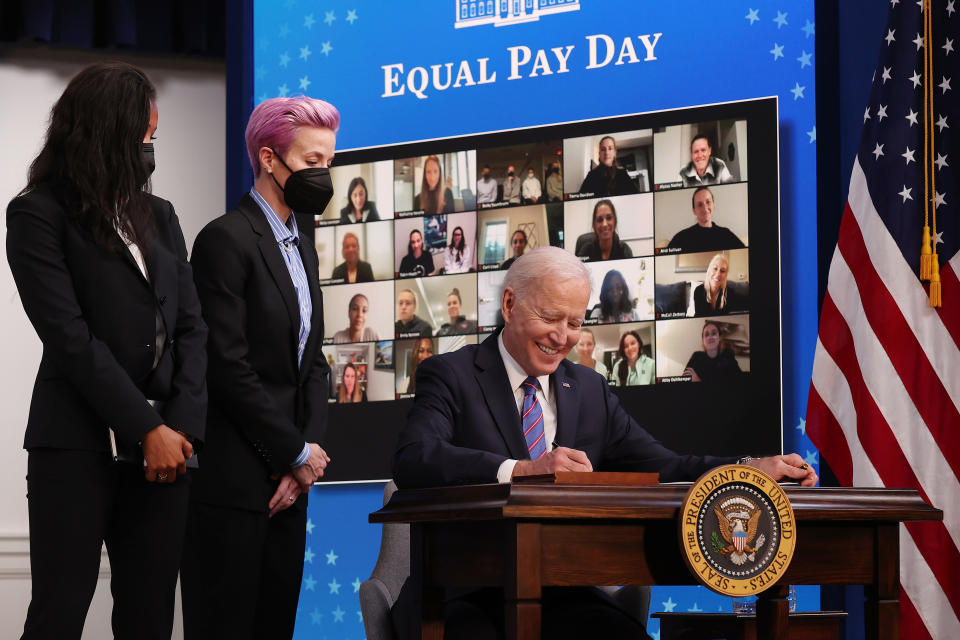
[(308, 190), (146, 148), (510, 173)]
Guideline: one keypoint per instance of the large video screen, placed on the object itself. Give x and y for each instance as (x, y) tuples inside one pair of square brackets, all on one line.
[(675, 215)]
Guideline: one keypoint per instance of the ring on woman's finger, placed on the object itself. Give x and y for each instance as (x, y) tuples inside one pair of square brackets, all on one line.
[(161, 476), (291, 498)]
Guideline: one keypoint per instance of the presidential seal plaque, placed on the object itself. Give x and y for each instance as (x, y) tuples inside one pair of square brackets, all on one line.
[(737, 530)]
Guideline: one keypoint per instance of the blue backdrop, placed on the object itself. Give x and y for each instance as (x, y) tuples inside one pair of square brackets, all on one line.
[(386, 66)]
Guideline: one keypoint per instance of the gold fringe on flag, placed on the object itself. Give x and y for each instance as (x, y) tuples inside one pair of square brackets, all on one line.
[(929, 261)]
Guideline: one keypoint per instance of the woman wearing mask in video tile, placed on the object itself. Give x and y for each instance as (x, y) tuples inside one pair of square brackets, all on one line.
[(349, 390), (458, 258), (418, 261), (458, 323), (585, 350), (607, 179), (716, 361), (606, 244), (713, 297), (358, 331), (359, 209), (615, 304), (703, 167), (422, 349), (352, 269), (434, 197), (633, 367)]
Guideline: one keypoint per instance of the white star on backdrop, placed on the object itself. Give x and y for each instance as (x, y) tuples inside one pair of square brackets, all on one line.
[(945, 84), (304, 83), (284, 59), (948, 47), (797, 91), (916, 79), (332, 558), (334, 586), (282, 90), (885, 76), (351, 16), (881, 113), (802, 426), (669, 605), (310, 526), (941, 161), (939, 199), (308, 555), (325, 48), (905, 194), (889, 38), (695, 608), (908, 155), (918, 41), (305, 53), (777, 51), (752, 16), (942, 123), (877, 152), (808, 28), (813, 135), (309, 583), (939, 238), (804, 59), (866, 114), (329, 18), (950, 8), (912, 117), (781, 19), (308, 21), (356, 585), (338, 614), (812, 457)]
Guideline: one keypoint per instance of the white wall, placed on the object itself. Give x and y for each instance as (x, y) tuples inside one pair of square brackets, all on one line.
[(190, 173)]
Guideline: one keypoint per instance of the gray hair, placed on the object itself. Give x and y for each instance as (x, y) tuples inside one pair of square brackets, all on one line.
[(531, 268)]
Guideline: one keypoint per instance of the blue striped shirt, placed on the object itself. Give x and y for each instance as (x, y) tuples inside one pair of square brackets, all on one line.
[(288, 241)]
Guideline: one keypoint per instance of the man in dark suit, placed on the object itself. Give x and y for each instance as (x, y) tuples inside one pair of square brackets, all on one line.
[(514, 406), (257, 279)]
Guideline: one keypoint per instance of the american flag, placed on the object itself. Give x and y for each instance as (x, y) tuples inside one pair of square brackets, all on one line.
[(884, 406)]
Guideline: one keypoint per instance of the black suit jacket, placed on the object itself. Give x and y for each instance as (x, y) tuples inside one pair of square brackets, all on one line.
[(464, 424), (262, 406), (96, 315), (364, 271)]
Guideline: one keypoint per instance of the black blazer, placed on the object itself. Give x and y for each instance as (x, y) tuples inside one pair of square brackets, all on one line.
[(262, 407), (364, 271), (464, 424), (96, 316)]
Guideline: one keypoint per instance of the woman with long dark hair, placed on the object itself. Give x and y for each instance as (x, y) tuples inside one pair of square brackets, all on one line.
[(434, 197), (634, 367), (615, 304), (120, 397), (422, 349), (458, 258), (359, 208), (605, 244), (607, 179)]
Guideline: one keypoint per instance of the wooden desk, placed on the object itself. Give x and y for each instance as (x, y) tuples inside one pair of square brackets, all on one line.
[(804, 625), (525, 537)]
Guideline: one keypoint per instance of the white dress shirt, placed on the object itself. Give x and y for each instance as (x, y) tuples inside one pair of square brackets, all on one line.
[(545, 396)]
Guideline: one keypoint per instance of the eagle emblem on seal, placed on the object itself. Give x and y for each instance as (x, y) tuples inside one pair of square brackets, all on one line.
[(737, 519)]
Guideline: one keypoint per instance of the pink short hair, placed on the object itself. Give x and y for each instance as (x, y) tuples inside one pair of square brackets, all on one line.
[(274, 124)]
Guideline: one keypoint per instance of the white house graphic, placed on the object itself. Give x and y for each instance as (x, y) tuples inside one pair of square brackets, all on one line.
[(500, 13)]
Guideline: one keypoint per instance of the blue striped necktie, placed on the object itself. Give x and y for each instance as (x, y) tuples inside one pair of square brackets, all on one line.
[(532, 418)]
